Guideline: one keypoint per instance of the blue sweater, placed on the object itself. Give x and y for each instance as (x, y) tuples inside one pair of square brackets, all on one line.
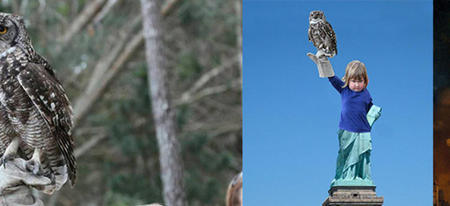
[(355, 106)]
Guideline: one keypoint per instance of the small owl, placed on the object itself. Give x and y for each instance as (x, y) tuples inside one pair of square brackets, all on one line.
[(321, 34), (35, 113)]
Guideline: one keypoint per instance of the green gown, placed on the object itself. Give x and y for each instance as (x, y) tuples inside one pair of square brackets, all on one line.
[(353, 161)]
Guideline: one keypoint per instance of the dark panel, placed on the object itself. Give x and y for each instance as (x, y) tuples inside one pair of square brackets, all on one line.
[(441, 143)]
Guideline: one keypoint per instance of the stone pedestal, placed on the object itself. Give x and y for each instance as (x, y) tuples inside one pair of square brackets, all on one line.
[(353, 195)]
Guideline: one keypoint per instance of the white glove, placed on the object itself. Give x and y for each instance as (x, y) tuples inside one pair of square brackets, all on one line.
[(323, 64), (16, 182)]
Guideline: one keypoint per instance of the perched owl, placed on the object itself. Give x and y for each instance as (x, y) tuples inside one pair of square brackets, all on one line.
[(35, 113), (321, 34)]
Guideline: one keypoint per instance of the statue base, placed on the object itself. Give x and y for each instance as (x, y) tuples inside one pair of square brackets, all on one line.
[(353, 195)]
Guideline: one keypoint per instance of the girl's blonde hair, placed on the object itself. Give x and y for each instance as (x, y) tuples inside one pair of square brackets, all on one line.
[(355, 70)]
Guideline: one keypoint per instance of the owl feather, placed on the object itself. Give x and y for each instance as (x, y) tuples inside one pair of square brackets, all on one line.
[(56, 110)]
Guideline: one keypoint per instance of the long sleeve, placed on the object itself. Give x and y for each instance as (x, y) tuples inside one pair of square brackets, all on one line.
[(337, 83)]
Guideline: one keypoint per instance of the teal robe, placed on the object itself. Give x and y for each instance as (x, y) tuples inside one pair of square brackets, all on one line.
[(353, 161)]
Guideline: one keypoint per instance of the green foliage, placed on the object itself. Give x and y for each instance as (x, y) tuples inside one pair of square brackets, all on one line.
[(124, 113), (188, 66), (203, 169), (204, 17), (197, 15), (63, 9), (182, 114), (193, 144), (203, 189), (119, 199), (133, 188)]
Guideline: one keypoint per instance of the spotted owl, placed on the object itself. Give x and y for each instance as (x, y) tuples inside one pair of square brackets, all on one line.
[(35, 113), (321, 34)]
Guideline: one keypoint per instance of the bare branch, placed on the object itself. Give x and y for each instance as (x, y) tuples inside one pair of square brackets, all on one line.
[(58, 16), (232, 127), (89, 130), (207, 92), (208, 76), (81, 150), (168, 6), (105, 10), (216, 128), (80, 21), (103, 65), (85, 102)]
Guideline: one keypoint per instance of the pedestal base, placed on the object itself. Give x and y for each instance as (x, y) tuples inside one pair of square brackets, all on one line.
[(353, 195)]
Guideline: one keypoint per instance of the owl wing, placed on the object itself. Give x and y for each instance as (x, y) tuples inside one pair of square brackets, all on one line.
[(330, 32), (49, 97)]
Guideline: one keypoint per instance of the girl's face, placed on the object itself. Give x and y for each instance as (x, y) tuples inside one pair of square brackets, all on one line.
[(357, 85)]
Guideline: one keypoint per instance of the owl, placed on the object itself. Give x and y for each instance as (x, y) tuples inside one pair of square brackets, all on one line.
[(321, 34), (35, 113)]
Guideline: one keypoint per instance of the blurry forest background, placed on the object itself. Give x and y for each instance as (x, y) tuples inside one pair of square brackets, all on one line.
[(441, 94), (97, 50)]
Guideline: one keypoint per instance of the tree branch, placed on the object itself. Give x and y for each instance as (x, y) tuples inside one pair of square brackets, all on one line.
[(80, 21), (217, 128), (168, 6), (189, 98), (208, 76), (105, 10), (85, 102), (89, 144)]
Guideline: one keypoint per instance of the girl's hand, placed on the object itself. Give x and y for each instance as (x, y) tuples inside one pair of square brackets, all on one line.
[(323, 65), (312, 57), (316, 58)]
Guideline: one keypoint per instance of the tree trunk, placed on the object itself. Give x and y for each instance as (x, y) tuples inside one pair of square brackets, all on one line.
[(169, 149)]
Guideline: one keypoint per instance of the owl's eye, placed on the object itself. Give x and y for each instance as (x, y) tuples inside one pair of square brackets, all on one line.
[(3, 30)]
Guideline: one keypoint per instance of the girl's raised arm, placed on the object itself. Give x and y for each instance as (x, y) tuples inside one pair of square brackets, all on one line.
[(326, 70), (337, 83)]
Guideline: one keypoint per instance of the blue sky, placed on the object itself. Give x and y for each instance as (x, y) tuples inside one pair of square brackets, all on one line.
[(290, 115)]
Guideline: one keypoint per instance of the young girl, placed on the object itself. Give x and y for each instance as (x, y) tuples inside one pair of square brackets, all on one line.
[(357, 116)]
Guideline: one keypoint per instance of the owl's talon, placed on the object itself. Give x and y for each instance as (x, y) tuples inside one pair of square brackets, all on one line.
[(52, 177), (6, 158), (320, 53), (34, 167)]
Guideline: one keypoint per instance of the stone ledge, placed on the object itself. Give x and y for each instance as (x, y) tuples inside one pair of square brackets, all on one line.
[(353, 196)]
